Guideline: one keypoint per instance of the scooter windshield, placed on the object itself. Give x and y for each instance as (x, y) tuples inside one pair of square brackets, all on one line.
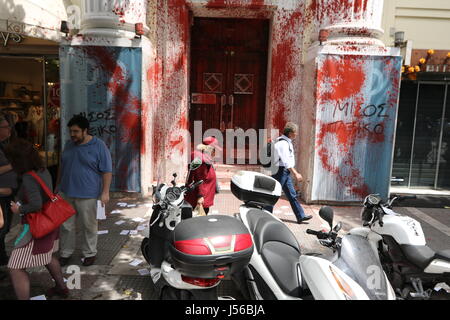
[(358, 260)]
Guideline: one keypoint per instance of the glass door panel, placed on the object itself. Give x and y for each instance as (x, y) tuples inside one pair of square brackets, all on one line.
[(427, 135), (444, 162), (404, 137)]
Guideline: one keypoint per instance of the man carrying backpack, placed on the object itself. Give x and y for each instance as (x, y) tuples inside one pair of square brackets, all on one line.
[(285, 162)]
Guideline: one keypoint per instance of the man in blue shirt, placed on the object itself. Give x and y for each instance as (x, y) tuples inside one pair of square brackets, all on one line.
[(84, 177)]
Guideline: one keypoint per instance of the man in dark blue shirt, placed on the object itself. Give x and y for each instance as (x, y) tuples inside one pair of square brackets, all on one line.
[(85, 176)]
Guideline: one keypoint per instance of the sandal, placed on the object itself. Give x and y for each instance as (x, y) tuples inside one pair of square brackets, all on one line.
[(55, 291)]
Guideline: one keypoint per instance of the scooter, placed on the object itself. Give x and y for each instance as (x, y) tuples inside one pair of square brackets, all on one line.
[(412, 267), (189, 257), (279, 271)]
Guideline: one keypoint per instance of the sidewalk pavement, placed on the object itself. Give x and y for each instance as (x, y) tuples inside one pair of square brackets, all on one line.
[(113, 278)]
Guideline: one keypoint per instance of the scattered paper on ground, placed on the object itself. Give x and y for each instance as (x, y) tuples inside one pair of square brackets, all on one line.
[(131, 205), (138, 220), (120, 222), (116, 211), (103, 232), (136, 262), (140, 228), (41, 297), (125, 232), (133, 232), (144, 272), (122, 204)]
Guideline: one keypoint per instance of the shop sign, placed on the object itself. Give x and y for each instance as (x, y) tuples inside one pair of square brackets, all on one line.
[(437, 68), (13, 32)]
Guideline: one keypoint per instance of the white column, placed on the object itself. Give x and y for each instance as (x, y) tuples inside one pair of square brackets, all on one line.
[(112, 18), (359, 21)]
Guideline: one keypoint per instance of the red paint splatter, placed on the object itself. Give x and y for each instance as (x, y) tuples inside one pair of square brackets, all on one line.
[(346, 76), (341, 80), (250, 4), (283, 71), (126, 106)]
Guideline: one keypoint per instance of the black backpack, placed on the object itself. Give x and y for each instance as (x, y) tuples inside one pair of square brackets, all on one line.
[(268, 152)]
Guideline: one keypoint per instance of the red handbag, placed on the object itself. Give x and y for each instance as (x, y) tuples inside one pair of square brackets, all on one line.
[(52, 215)]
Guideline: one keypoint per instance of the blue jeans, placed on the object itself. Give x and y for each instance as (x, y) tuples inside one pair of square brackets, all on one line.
[(283, 176)]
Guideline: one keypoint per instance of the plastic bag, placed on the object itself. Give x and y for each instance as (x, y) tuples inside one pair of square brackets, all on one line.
[(198, 211)]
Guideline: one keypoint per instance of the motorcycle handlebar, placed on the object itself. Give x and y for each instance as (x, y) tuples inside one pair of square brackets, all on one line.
[(319, 234), (401, 198), (195, 185)]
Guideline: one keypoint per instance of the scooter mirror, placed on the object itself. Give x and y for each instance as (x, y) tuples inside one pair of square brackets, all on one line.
[(174, 181), (327, 214), (337, 227)]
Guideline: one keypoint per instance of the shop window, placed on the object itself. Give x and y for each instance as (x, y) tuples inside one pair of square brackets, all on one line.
[(29, 97), (404, 137)]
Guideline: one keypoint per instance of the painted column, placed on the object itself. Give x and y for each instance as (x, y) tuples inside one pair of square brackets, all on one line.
[(168, 73), (350, 98), (102, 77), (112, 18), (358, 21)]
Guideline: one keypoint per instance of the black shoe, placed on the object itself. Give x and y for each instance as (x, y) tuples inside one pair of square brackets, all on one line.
[(89, 261), (305, 218), (63, 261)]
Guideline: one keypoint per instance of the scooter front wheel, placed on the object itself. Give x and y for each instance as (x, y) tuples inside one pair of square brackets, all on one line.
[(145, 249)]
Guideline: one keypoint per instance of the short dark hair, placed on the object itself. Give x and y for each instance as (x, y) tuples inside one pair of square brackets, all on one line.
[(80, 121), (23, 156)]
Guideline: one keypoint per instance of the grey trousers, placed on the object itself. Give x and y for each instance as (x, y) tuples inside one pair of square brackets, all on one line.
[(87, 215)]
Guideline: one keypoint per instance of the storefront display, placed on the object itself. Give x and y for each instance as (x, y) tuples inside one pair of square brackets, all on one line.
[(29, 97), (422, 146)]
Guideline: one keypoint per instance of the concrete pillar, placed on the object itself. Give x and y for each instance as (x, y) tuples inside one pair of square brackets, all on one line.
[(105, 76), (356, 21), (349, 102), (112, 18)]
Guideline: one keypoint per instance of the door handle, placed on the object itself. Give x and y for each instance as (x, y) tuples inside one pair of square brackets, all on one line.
[(231, 100), (223, 103), (223, 100)]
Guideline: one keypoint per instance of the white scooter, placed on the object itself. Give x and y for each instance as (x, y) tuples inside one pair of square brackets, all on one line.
[(277, 269), (189, 257), (413, 268)]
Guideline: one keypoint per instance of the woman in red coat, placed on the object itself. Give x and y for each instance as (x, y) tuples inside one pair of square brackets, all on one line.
[(202, 168)]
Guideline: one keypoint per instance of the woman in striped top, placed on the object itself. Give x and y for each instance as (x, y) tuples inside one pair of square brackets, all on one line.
[(29, 252)]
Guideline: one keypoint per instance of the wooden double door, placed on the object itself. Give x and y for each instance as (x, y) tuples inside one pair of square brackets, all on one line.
[(228, 74)]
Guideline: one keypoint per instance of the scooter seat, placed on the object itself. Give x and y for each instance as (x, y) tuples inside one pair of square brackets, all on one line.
[(266, 228), (443, 255), (421, 256), (283, 263)]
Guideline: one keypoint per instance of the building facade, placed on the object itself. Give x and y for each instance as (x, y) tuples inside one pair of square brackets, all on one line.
[(422, 148), (146, 73)]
